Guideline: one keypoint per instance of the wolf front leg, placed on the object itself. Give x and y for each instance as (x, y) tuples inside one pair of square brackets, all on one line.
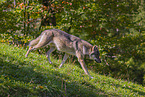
[(30, 48), (49, 52), (64, 59), (81, 61), (83, 65)]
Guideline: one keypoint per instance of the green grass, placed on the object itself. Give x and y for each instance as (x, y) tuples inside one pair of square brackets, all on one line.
[(34, 76)]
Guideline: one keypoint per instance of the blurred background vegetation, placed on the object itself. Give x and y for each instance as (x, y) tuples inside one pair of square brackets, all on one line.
[(116, 26)]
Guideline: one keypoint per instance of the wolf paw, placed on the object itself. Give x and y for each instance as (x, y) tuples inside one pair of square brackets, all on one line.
[(26, 56), (50, 63), (91, 77)]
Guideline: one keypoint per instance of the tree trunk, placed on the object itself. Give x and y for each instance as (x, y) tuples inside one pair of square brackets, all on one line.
[(48, 20)]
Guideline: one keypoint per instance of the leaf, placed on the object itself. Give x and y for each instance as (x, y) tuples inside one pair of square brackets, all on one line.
[(41, 87)]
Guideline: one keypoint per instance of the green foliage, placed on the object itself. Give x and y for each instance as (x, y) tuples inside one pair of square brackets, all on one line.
[(34, 76), (117, 27)]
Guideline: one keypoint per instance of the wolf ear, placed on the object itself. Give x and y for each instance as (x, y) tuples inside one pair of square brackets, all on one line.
[(95, 48)]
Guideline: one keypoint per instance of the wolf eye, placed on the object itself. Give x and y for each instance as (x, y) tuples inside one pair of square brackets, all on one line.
[(92, 54)]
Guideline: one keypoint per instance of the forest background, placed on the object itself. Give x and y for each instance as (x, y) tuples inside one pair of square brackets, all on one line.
[(117, 27)]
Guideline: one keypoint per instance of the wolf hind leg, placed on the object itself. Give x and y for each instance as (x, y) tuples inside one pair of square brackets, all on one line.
[(48, 54), (44, 40), (30, 48), (39, 42), (64, 59), (31, 44)]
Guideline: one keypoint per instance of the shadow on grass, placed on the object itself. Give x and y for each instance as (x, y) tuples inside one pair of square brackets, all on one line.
[(20, 80), (131, 88)]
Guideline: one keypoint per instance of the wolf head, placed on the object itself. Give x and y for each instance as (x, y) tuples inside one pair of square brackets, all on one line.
[(95, 54)]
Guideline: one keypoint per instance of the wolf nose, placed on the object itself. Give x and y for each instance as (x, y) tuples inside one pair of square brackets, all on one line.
[(98, 61)]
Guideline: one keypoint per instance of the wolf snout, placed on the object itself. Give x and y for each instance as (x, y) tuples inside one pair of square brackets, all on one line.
[(97, 60)]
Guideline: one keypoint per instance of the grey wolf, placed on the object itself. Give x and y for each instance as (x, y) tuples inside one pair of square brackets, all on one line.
[(67, 43)]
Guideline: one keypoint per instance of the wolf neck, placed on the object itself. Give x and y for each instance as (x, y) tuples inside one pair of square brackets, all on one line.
[(87, 47)]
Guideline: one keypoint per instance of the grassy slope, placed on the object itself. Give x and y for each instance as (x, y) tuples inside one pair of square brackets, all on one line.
[(34, 76)]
